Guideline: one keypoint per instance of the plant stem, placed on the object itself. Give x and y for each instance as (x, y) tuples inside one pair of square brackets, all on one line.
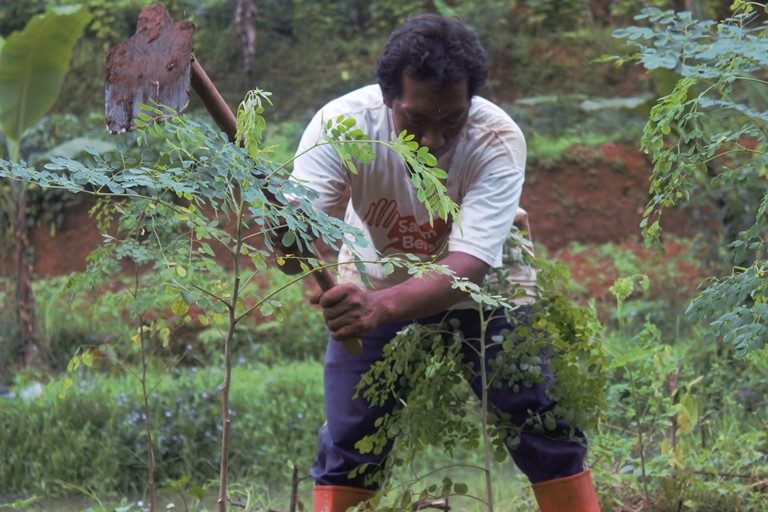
[(484, 415), (233, 319), (145, 396), (294, 489), (674, 392), (640, 438)]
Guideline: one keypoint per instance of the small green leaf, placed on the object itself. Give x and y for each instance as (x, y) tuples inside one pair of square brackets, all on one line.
[(87, 358), (365, 445), (73, 364), (179, 307), (266, 309), (66, 383), (460, 488), (289, 238), (165, 337)]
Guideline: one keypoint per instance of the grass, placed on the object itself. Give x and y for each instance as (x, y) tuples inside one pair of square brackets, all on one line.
[(511, 494), (246, 496), (93, 435), (511, 490)]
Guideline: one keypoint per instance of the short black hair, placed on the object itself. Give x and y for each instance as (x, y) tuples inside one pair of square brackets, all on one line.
[(431, 47)]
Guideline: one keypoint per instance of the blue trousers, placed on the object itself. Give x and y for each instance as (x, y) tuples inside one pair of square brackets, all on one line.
[(540, 455)]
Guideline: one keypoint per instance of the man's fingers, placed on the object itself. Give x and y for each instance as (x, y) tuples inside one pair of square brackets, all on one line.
[(344, 319), (325, 298), (344, 310), (333, 296), (345, 333), (337, 311), (334, 301)]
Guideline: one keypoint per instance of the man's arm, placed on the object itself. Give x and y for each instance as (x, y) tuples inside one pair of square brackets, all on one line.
[(351, 312)]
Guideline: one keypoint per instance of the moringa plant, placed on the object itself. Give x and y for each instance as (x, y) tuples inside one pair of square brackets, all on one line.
[(708, 139), (424, 373), (190, 198)]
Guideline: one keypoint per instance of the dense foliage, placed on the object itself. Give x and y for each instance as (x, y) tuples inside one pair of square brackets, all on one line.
[(424, 372), (707, 139)]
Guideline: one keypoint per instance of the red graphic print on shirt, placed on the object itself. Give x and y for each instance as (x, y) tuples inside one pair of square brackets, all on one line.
[(405, 233)]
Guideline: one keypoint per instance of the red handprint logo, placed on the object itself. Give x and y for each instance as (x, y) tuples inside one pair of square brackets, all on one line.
[(405, 233)]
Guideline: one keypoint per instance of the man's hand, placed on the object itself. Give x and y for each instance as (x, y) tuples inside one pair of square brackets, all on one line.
[(521, 221), (350, 312)]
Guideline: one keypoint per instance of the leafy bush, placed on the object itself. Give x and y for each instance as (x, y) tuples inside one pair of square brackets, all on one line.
[(422, 368), (75, 318), (672, 281), (707, 141), (93, 436), (683, 423), (684, 429)]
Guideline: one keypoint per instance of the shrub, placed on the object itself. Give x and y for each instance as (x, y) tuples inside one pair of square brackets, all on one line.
[(75, 317), (672, 280), (93, 436)]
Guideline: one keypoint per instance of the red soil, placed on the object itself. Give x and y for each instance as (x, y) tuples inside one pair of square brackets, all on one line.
[(593, 195)]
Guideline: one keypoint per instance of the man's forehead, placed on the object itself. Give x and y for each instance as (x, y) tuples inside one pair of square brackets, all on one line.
[(453, 96), (433, 83)]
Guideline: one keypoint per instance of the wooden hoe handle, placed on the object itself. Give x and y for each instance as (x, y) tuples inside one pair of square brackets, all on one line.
[(226, 121)]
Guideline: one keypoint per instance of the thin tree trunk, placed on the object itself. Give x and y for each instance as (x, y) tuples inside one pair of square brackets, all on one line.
[(225, 416), (151, 463), (484, 416), (294, 489), (25, 300), (245, 28)]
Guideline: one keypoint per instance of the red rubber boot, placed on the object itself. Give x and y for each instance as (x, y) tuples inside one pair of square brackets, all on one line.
[(337, 498), (574, 493)]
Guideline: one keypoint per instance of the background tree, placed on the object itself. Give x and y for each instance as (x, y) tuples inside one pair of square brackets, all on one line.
[(33, 63)]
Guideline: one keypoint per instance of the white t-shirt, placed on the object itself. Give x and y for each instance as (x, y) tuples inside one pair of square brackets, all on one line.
[(486, 170)]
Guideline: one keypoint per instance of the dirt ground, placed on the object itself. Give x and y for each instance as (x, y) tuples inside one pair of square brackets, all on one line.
[(592, 196)]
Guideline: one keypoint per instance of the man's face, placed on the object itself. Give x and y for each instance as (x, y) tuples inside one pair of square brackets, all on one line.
[(435, 115)]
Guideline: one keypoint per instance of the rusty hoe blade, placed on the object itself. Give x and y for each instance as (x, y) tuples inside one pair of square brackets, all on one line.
[(152, 66)]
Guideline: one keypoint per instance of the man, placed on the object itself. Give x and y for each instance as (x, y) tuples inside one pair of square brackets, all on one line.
[(428, 75)]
